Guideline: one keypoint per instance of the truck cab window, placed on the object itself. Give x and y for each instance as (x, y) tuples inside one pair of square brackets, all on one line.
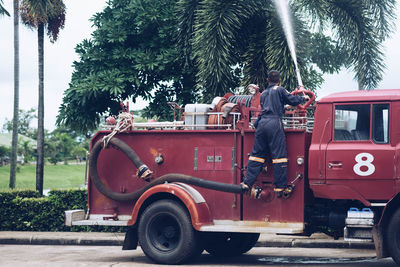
[(381, 123), (352, 122)]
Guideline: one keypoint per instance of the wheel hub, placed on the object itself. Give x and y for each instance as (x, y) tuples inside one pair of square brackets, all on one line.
[(169, 231), (164, 233)]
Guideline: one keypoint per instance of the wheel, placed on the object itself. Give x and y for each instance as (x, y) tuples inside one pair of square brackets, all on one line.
[(166, 234), (229, 244), (393, 236)]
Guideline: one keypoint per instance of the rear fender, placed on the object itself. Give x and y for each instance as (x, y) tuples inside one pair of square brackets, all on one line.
[(379, 231), (190, 197)]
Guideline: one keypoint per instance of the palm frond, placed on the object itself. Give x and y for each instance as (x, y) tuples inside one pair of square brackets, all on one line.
[(50, 13), (314, 10), (56, 20), (255, 66), (253, 49), (34, 12), (357, 35), (383, 13), (326, 53), (3, 11), (185, 12), (217, 23)]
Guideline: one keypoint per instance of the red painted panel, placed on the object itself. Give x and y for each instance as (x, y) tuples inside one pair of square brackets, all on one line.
[(380, 165), (320, 138), (364, 166), (272, 209), (394, 125), (397, 162), (395, 141), (223, 158), (205, 158), (360, 166), (337, 191)]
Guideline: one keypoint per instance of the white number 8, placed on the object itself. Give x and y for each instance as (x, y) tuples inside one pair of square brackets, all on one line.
[(367, 162)]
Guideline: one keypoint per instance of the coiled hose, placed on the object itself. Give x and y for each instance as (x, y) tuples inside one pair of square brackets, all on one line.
[(170, 177), (241, 98)]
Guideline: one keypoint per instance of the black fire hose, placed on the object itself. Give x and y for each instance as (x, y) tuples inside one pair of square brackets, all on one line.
[(170, 177)]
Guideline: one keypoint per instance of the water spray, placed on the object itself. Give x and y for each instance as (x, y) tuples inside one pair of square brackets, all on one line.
[(283, 10)]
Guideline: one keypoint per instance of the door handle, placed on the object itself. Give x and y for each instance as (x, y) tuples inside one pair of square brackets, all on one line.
[(337, 165)]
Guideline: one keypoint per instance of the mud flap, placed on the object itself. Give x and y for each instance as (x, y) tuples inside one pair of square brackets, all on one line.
[(380, 247), (131, 239)]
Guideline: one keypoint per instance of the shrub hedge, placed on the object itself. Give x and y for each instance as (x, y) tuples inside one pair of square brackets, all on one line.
[(26, 210)]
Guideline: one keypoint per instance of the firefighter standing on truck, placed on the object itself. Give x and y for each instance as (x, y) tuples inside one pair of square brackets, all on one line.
[(270, 137)]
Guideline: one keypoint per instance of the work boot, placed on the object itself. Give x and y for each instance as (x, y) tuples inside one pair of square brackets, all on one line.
[(287, 192), (256, 192), (278, 191)]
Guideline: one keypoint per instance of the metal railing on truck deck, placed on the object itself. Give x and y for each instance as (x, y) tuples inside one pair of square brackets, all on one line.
[(289, 122)]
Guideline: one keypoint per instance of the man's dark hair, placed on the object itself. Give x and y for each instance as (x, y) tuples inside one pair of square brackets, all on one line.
[(274, 76)]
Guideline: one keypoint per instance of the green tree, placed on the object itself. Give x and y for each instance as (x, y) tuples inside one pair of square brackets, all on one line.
[(59, 147), (63, 144), (41, 14), (132, 53), (359, 27), (3, 11), (25, 118), (4, 155), (26, 149), (79, 152), (189, 50), (228, 33)]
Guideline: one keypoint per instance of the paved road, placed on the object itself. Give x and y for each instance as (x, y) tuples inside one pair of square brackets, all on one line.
[(38, 255)]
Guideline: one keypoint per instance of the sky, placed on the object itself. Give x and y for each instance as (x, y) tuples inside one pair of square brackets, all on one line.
[(59, 57)]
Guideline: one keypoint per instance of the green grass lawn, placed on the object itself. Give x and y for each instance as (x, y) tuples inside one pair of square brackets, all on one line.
[(55, 176)]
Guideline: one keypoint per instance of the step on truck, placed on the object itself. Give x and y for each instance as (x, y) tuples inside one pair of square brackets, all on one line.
[(176, 185)]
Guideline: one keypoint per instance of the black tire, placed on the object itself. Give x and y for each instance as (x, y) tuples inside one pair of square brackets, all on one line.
[(166, 234), (393, 237), (229, 244)]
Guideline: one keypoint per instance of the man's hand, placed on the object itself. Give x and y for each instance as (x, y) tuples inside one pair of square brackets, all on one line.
[(306, 97), (288, 107)]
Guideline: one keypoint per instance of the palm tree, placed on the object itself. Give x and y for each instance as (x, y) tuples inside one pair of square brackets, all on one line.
[(246, 36), (361, 27), (3, 11), (41, 14), (14, 143)]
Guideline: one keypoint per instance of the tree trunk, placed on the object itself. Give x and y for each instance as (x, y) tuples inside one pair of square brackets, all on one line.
[(14, 145), (40, 136)]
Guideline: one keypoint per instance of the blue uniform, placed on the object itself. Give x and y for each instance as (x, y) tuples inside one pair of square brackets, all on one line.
[(270, 135)]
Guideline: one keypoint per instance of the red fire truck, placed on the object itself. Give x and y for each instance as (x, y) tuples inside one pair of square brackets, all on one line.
[(175, 185)]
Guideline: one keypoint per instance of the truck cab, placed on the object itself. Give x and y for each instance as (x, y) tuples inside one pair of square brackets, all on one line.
[(354, 151), (354, 160)]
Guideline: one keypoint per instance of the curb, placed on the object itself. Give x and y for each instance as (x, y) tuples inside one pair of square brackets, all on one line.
[(118, 241), (60, 241)]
